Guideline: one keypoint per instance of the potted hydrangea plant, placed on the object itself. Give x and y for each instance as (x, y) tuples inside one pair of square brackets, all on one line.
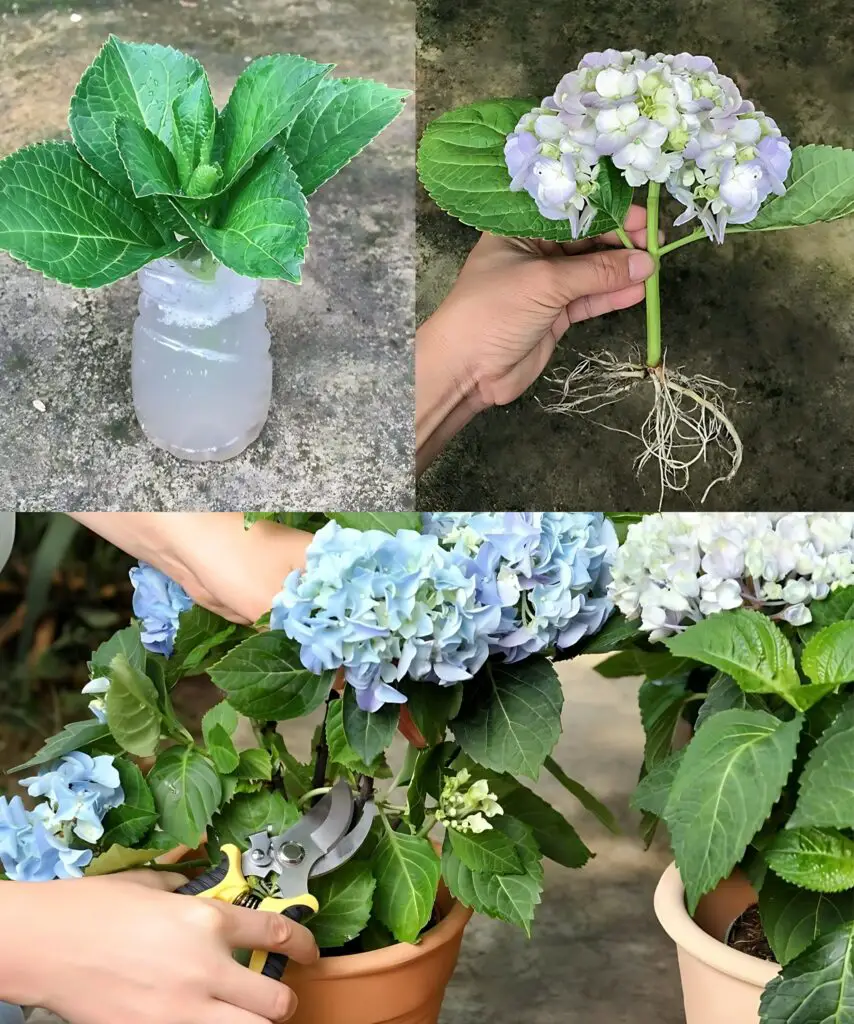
[(203, 203), (566, 167), (748, 621), (441, 628)]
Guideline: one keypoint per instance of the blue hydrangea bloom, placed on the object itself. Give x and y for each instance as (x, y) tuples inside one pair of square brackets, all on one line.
[(79, 791), (97, 706), (385, 606), (29, 852), (157, 602), (547, 572)]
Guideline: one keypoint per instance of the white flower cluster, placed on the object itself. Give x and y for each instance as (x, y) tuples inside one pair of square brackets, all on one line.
[(465, 805), (676, 568), (671, 119)]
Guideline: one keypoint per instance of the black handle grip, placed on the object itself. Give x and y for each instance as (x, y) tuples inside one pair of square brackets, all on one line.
[(275, 964), (206, 881)]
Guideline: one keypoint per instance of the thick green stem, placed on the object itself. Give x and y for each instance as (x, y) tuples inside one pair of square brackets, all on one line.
[(653, 295)]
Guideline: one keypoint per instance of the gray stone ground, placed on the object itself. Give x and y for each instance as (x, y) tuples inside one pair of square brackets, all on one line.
[(597, 955), (340, 430), (771, 315)]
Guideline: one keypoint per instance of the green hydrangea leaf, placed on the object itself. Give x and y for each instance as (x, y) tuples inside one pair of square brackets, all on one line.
[(838, 606), (730, 776), (826, 787), (336, 124), (653, 791), (204, 180), (407, 871), (62, 219), (134, 80), (820, 187), (253, 812), (75, 736), (346, 899), (828, 658), (149, 164), (221, 750), (119, 858), (510, 719), (193, 126), (461, 165), (128, 823), (264, 232), (388, 522), (125, 641), (489, 852), (818, 859), (265, 100), (794, 918), (368, 732), (816, 985), (187, 792), (133, 709)]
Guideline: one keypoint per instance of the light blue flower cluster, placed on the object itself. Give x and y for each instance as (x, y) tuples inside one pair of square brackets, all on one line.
[(157, 602), (434, 605), (547, 572), (76, 794), (385, 607)]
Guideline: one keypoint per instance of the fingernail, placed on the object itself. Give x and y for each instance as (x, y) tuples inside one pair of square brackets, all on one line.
[(641, 266)]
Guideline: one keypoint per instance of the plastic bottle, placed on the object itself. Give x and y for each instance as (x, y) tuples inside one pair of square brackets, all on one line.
[(201, 367)]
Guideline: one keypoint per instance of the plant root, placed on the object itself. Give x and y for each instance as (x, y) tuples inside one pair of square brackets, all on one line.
[(686, 423)]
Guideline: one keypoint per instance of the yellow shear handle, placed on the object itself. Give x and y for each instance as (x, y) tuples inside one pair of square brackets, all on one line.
[(273, 964)]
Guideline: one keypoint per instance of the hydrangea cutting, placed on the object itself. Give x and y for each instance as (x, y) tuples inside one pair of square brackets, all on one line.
[(567, 167)]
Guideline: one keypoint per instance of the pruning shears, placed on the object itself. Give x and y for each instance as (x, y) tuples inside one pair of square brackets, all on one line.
[(322, 840)]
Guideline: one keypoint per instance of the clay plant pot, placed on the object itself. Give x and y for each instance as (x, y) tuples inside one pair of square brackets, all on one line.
[(720, 985), (401, 984)]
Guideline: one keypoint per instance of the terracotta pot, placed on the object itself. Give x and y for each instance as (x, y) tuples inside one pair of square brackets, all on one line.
[(720, 985), (402, 984)]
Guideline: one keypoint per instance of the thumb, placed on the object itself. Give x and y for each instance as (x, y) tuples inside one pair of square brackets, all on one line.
[(166, 881), (596, 273)]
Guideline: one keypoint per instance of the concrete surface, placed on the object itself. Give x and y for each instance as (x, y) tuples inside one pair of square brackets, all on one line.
[(772, 315), (340, 430)]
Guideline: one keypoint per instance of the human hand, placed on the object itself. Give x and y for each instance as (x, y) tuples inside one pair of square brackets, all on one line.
[(228, 569), (497, 329), (124, 948)]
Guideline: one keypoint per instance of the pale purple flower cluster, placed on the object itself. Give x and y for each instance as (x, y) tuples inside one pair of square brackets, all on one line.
[(671, 119), (547, 572)]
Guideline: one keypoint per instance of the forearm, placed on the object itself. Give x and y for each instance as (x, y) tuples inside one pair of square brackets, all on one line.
[(446, 392)]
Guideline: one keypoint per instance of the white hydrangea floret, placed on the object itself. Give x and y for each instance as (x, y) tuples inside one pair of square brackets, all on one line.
[(677, 568), (466, 806)]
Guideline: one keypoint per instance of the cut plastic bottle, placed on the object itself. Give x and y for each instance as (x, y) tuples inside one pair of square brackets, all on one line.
[(201, 367)]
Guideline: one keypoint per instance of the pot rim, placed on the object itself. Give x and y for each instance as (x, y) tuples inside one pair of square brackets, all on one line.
[(379, 961), (673, 916)]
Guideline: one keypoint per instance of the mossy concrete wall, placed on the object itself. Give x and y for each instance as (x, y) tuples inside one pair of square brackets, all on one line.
[(772, 315)]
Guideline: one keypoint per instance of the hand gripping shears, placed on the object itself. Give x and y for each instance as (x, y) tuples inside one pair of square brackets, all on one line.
[(322, 840)]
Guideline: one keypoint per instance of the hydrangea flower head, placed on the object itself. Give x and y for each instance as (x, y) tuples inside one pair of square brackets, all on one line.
[(77, 792), (466, 806), (157, 602), (385, 606), (676, 568), (30, 852), (547, 572), (671, 119)]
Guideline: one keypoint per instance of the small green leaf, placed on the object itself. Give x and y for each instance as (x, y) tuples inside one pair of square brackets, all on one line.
[(407, 871), (265, 100), (488, 852), (254, 764), (204, 180), (264, 679), (340, 119), (61, 218), (128, 823), (794, 918), (264, 232), (193, 125), (613, 196), (653, 791), (222, 714), (731, 775), (661, 703), (200, 635), (426, 781), (388, 522), (838, 606), (138, 81), (826, 787), (346, 899), (340, 751), (132, 706), (724, 695), (636, 662), (368, 732), (75, 736), (828, 659), (461, 165), (253, 812), (615, 634), (512, 721), (820, 187), (187, 792), (747, 646), (818, 859), (553, 834), (126, 641), (119, 858), (148, 163), (431, 706), (221, 750), (816, 985)]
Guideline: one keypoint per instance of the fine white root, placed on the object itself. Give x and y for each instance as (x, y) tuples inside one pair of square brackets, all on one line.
[(686, 423)]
